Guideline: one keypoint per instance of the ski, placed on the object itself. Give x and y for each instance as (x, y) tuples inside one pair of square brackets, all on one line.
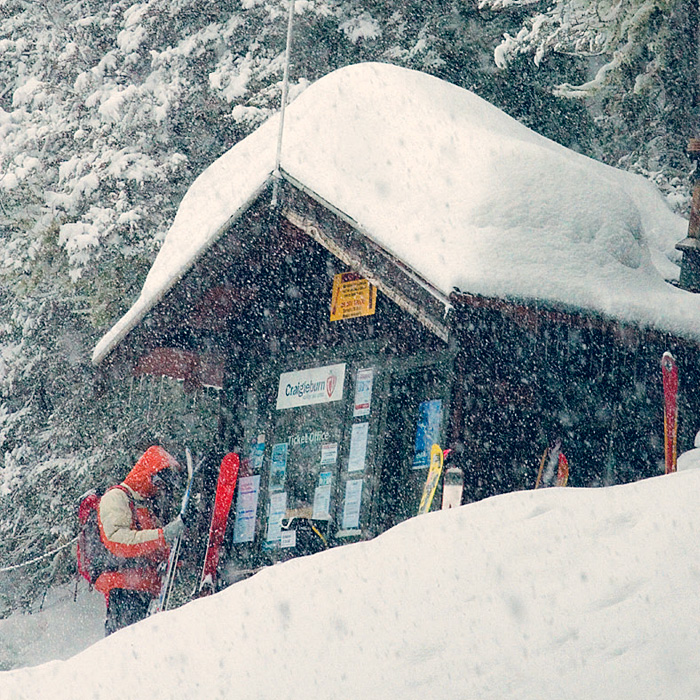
[(541, 469), (163, 599), (563, 470), (225, 486), (554, 467), (431, 483), (669, 372)]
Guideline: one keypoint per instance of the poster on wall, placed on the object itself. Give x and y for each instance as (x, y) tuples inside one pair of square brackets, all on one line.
[(257, 453), (278, 509), (322, 502), (288, 538), (352, 296), (246, 509), (322, 497), (329, 453), (363, 392), (278, 466), (428, 431), (353, 500), (358, 447), (308, 387)]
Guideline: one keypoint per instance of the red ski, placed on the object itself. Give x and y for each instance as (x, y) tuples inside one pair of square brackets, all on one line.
[(225, 486), (669, 372), (563, 470)]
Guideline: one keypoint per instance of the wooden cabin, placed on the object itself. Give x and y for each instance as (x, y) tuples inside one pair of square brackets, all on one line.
[(344, 330)]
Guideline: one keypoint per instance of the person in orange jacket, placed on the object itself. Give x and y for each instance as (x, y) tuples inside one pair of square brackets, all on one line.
[(130, 530)]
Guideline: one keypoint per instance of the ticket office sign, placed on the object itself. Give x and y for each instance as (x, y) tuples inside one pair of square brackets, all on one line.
[(352, 297)]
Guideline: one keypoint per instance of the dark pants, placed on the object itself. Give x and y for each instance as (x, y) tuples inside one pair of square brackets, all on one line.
[(125, 607)]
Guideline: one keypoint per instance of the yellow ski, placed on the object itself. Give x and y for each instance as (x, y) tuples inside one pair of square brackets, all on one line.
[(434, 473)]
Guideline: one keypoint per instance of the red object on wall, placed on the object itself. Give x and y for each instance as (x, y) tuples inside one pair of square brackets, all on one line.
[(669, 371)]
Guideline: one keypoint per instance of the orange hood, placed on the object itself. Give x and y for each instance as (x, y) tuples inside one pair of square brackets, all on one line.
[(153, 460)]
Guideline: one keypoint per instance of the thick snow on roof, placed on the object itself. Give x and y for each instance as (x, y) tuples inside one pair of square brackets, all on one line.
[(456, 189)]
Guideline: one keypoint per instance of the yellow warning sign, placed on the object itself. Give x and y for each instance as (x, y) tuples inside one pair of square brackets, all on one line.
[(352, 297)]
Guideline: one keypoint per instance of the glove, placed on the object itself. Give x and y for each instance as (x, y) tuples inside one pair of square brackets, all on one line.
[(173, 530)]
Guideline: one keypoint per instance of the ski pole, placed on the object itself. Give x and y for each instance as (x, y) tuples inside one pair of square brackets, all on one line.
[(539, 473)]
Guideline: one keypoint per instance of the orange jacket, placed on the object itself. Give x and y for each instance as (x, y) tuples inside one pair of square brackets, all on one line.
[(129, 530)]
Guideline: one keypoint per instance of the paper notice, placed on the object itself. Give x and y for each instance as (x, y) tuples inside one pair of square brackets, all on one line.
[(353, 499), (358, 447)]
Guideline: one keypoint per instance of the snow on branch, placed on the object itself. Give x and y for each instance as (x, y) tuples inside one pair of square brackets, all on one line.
[(621, 29)]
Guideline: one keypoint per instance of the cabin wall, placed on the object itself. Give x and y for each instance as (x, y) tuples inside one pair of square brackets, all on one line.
[(357, 458), (352, 468), (532, 378), (508, 383), (256, 308)]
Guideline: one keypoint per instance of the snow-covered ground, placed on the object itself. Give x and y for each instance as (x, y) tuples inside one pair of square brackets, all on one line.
[(59, 627), (555, 593)]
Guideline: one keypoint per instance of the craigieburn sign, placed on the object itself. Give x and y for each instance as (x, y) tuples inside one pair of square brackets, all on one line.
[(306, 387)]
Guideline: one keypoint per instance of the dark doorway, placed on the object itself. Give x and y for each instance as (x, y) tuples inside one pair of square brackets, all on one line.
[(416, 415)]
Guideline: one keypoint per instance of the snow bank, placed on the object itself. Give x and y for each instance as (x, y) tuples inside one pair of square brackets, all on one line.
[(61, 626), (555, 593), (456, 189)]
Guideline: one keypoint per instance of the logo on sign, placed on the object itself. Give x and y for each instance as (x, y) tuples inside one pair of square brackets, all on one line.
[(331, 384)]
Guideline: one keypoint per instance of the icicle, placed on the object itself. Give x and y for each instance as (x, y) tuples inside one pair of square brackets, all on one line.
[(149, 401), (160, 417), (160, 391), (138, 403)]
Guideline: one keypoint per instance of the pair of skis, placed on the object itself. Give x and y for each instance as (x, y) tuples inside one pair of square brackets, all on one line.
[(225, 487), (557, 460), (437, 459), (453, 482)]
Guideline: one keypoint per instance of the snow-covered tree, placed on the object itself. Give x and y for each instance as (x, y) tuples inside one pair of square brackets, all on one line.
[(642, 74)]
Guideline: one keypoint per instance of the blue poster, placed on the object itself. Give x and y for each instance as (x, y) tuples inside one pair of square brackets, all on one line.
[(427, 431), (278, 466), (257, 453)]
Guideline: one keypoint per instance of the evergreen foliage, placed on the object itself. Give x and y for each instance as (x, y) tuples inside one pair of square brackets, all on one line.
[(109, 110), (641, 57)]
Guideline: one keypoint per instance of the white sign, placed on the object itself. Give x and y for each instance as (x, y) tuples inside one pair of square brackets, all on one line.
[(358, 447), (353, 499), (306, 387), (329, 453), (288, 538), (278, 509), (363, 392), (246, 508), (322, 503)]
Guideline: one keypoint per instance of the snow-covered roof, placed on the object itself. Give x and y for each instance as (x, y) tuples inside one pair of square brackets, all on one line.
[(461, 193)]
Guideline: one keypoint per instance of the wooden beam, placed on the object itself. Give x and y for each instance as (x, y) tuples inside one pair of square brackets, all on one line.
[(347, 242)]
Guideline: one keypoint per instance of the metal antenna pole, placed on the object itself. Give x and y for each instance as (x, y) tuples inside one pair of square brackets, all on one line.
[(285, 91)]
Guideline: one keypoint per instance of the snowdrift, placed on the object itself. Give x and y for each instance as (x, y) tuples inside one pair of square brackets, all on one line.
[(555, 593)]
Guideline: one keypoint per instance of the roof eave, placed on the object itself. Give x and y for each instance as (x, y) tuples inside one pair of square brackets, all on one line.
[(435, 307), (109, 342)]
